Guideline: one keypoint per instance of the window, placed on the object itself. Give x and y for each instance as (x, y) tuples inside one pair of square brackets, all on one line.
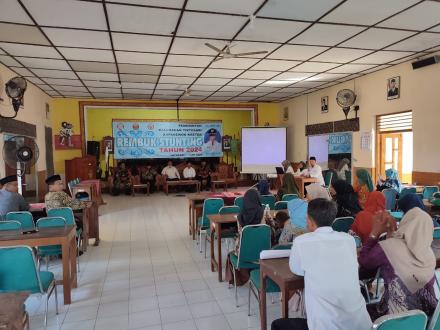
[(395, 122)]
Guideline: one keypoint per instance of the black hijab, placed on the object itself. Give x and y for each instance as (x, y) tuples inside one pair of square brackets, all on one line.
[(410, 201), (347, 199), (252, 211)]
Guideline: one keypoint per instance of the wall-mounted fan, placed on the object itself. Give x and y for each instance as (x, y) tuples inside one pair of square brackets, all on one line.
[(20, 152), (222, 54), (345, 99), (15, 89)]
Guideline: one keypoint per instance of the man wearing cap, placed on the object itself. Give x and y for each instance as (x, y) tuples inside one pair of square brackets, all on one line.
[(10, 199), (212, 145), (314, 171), (56, 197)]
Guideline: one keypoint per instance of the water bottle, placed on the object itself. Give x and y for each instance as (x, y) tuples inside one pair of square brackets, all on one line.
[(267, 211)]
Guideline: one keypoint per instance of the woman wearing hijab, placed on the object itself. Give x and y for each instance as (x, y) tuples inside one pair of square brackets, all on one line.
[(252, 211), (409, 202), (287, 166), (346, 198), (392, 181), (263, 187), (288, 187), (406, 261), (365, 185), (364, 220), (315, 190), (342, 168)]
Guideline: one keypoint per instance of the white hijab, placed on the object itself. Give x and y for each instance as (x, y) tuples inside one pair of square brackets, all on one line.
[(409, 250)]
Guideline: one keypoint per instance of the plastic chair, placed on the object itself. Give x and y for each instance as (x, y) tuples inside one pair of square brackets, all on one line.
[(253, 240), (255, 287), (390, 199), (67, 214), (406, 191), (348, 176), (436, 195), (18, 273), (409, 320), (289, 197), (434, 322), (328, 179), (234, 209), (238, 201), (282, 205), (436, 233), (229, 234), (429, 191), (11, 225), (268, 200), (24, 217), (210, 206), (342, 224), (50, 250)]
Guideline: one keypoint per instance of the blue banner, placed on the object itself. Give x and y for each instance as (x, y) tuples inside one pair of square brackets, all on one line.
[(145, 139), (340, 143)]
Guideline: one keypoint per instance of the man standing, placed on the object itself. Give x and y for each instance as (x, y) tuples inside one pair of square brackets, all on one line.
[(170, 173), (315, 171), (10, 199), (328, 261)]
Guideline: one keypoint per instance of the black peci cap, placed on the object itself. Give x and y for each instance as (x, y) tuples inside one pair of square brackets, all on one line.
[(312, 158), (212, 132), (7, 179), (52, 179)]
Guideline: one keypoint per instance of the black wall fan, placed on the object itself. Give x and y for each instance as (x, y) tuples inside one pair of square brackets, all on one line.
[(15, 89), (20, 152)]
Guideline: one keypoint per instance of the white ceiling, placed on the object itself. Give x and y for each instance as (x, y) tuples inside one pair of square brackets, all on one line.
[(155, 49)]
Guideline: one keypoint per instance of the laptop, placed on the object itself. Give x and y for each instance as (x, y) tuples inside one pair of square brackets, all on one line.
[(279, 170)]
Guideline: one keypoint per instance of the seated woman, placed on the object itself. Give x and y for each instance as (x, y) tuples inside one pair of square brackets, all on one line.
[(364, 219), (315, 190), (263, 187), (391, 181), (365, 185), (347, 200), (299, 168), (288, 186), (285, 231), (406, 261), (287, 166)]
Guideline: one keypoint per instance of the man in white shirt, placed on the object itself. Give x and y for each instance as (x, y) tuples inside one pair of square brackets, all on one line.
[(189, 172), (170, 172), (315, 171), (328, 261)]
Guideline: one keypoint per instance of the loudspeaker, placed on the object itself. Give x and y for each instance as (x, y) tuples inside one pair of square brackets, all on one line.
[(93, 149), (426, 61)]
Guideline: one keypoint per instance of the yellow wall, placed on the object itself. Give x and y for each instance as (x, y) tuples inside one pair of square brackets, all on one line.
[(419, 93), (99, 120)]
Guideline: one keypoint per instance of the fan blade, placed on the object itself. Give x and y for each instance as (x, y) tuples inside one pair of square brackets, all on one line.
[(251, 53), (214, 48)]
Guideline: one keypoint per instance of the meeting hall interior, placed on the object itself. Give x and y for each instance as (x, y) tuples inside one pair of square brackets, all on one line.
[(219, 164)]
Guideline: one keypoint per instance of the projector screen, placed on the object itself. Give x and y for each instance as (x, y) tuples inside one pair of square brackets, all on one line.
[(262, 149)]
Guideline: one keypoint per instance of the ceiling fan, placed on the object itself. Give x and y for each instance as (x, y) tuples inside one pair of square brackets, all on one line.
[(223, 54)]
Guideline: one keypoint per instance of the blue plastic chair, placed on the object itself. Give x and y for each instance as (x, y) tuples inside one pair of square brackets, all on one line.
[(18, 273), (268, 200), (50, 250), (253, 240), (429, 191), (282, 205), (410, 320), (10, 225), (24, 217), (436, 195), (342, 224), (238, 201), (390, 199), (67, 214), (436, 233), (210, 206), (406, 191), (328, 179), (289, 197), (234, 209)]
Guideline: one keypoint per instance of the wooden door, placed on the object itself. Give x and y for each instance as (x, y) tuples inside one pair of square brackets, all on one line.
[(390, 151)]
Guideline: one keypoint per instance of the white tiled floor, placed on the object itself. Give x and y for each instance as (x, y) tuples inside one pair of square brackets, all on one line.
[(147, 274)]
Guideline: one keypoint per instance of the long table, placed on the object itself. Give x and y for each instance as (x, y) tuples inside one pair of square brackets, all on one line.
[(176, 183), (278, 271), (64, 236), (301, 181)]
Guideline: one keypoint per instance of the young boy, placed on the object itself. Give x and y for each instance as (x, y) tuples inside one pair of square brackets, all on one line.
[(328, 262)]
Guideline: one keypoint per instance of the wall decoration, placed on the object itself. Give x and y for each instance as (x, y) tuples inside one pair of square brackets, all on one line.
[(393, 88), (285, 113), (107, 142), (226, 142), (167, 139), (324, 104), (66, 139), (366, 138)]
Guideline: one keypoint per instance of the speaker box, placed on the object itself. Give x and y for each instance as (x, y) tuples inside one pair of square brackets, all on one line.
[(426, 61), (93, 149)]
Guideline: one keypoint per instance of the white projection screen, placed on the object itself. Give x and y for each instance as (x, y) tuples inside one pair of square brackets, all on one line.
[(262, 149)]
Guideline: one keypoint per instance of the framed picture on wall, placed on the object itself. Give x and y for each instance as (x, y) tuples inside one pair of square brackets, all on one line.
[(324, 104), (393, 88), (226, 142), (107, 142)]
